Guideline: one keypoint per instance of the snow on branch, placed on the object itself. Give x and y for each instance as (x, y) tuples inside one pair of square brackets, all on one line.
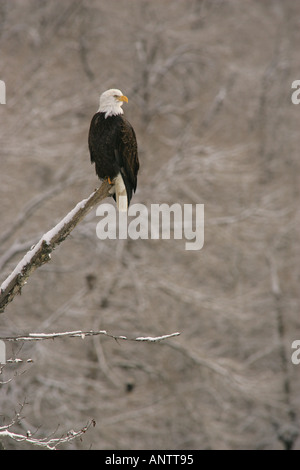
[(40, 253), (50, 443), (84, 334)]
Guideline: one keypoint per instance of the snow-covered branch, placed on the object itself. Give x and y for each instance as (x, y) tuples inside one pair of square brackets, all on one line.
[(40, 253), (84, 334), (50, 443)]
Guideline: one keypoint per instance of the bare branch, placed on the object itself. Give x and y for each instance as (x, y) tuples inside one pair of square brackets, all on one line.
[(48, 442), (84, 334), (40, 253)]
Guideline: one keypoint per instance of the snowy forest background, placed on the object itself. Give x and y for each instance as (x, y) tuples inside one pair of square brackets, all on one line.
[(209, 88)]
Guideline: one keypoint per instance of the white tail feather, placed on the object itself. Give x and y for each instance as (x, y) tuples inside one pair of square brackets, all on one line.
[(121, 194)]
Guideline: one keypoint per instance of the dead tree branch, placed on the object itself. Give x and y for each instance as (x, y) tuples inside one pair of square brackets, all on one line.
[(84, 334), (40, 253), (50, 443)]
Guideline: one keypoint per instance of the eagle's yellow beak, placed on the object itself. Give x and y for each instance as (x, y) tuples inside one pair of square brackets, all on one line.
[(122, 98)]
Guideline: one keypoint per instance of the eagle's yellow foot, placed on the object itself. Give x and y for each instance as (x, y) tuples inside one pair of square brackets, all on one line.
[(107, 178)]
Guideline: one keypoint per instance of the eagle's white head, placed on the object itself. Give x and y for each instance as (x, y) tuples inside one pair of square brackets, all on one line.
[(111, 102)]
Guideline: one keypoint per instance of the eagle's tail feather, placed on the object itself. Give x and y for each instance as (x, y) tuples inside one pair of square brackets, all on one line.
[(121, 194)]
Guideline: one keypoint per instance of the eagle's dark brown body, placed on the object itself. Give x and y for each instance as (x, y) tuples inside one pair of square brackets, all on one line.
[(113, 149)]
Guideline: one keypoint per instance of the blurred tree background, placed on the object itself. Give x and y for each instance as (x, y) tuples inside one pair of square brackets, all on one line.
[(209, 88)]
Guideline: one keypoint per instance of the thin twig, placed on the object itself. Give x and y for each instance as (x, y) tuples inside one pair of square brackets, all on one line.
[(48, 442), (84, 334)]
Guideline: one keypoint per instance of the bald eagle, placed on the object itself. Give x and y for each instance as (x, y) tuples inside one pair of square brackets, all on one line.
[(113, 147)]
